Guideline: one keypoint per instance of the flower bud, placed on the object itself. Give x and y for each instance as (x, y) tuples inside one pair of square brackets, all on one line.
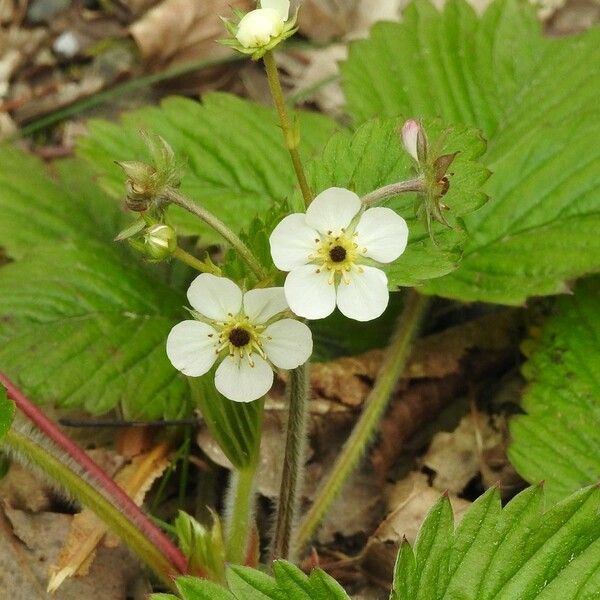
[(414, 140), (258, 27), (160, 241), (260, 30)]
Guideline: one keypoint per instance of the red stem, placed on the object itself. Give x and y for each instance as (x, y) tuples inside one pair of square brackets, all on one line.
[(122, 500)]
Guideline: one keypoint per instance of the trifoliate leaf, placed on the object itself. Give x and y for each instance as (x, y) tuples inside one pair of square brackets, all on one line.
[(535, 100), (236, 164), (518, 551), (7, 412), (558, 440), (374, 157), (191, 588)]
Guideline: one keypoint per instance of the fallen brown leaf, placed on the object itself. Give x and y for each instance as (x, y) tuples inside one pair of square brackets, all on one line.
[(30, 542), (183, 30), (455, 457), (410, 500)]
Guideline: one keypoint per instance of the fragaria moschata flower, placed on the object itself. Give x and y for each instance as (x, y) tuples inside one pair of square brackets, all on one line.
[(246, 332), (330, 252)]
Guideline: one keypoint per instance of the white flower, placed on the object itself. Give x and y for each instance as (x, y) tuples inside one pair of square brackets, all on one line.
[(258, 27), (328, 250), (410, 137), (245, 330)]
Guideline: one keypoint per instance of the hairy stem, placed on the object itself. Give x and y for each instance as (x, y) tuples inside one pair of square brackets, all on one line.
[(394, 189), (293, 462), (126, 505), (291, 135), (229, 236), (355, 446), (195, 263), (144, 547), (241, 510)]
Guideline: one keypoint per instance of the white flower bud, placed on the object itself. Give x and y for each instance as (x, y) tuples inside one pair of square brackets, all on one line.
[(259, 26), (410, 135)]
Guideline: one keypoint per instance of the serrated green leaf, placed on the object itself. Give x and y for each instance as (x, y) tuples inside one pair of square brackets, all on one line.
[(192, 588), (374, 157), (502, 554), (245, 582), (558, 440), (7, 412), (236, 163), (288, 583), (536, 101), (39, 210), (81, 326)]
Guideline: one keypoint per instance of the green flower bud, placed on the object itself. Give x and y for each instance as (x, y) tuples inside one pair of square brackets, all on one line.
[(160, 241)]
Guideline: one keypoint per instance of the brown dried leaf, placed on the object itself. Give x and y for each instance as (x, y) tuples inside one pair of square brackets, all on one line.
[(455, 457), (28, 543), (410, 501), (183, 30)]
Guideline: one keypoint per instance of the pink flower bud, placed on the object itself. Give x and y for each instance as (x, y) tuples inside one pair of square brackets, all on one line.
[(410, 136)]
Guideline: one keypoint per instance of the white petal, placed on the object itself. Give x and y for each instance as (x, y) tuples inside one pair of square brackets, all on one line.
[(309, 294), (189, 348), (332, 210), (240, 382), (366, 296), (410, 134), (290, 344), (383, 232), (215, 297), (281, 6), (292, 242), (263, 303), (258, 27)]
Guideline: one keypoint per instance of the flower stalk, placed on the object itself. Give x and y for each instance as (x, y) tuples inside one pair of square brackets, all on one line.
[(176, 197), (355, 446), (394, 189), (291, 135), (126, 505), (241, 498), (200, 265), (293, 463)]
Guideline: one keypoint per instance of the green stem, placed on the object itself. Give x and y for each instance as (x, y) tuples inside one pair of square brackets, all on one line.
[(293, 462), (355, 446), (394, 189), (241, 501), (192, 261), (88, 495), (179, 199), (291, 135)]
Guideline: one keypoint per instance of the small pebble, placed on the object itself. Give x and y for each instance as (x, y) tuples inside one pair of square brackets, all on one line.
[(66, 44)]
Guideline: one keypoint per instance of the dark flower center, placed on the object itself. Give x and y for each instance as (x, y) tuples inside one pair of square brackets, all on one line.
[(337, 254), (239, 337)]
